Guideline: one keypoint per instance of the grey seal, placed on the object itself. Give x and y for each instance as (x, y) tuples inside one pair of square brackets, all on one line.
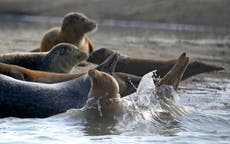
[(61, 58)]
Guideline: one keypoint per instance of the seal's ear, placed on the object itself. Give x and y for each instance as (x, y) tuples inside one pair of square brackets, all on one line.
[(17, 75), (109, 64), (174, 76)]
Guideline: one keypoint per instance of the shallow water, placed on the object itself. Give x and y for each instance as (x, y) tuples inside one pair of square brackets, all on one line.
[(199, 114), (120, 23)]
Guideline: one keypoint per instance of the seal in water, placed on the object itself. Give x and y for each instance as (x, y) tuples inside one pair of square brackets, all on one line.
[(61, 58), (127, 82), (104, 92), (142, 66), (28, 99), (73, 30)]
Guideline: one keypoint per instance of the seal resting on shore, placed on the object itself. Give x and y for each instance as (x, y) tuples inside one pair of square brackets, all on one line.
[(127, 82), (61, 58), (28, 99), (104, 99), (73, 30), (140, 67)]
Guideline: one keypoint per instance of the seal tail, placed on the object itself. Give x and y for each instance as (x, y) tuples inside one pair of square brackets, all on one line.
[(196, 67), (174, 76), (109, 64), (36, 50)]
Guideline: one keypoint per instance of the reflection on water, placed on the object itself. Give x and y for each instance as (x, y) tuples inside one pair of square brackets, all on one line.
[(200, 114)]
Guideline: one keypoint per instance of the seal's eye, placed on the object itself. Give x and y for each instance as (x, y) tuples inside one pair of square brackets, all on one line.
[(81, 19)]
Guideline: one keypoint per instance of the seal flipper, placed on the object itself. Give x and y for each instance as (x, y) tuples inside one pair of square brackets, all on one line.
[(91, 47), (17, 75), (174, 76), (109, 64)]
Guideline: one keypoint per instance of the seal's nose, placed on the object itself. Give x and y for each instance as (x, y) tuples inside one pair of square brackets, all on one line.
[(91, 25), (92, 72)]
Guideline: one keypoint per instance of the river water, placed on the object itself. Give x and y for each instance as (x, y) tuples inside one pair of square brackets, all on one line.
[(199, 114)]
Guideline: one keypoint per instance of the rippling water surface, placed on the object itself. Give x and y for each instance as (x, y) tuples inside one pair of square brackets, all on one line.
[(199, 114)]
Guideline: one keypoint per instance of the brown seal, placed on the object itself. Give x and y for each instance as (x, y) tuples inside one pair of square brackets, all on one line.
[(104, 91), (73, 30), (25, 74), (142, 66), (61, 58)]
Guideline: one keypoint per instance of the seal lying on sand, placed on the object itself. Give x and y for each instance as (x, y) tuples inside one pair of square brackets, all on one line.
[(142, 66), (73, 30), (29, 99), (104, 92), (125, 80), (61, 58)]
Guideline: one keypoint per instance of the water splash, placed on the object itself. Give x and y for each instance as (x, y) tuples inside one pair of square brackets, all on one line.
[(152, 109), (93, 103), (149, 110)]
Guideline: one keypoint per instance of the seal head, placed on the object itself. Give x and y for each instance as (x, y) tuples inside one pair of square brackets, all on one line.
[(98, 56), (105, 93), (62, 57), (77, 22)]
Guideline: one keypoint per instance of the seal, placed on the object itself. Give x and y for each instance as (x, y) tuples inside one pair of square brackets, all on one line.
[(140, 67), (104, 92), (25, 74), (73, 30), (127, 82), (61, 58), (29, 99)]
